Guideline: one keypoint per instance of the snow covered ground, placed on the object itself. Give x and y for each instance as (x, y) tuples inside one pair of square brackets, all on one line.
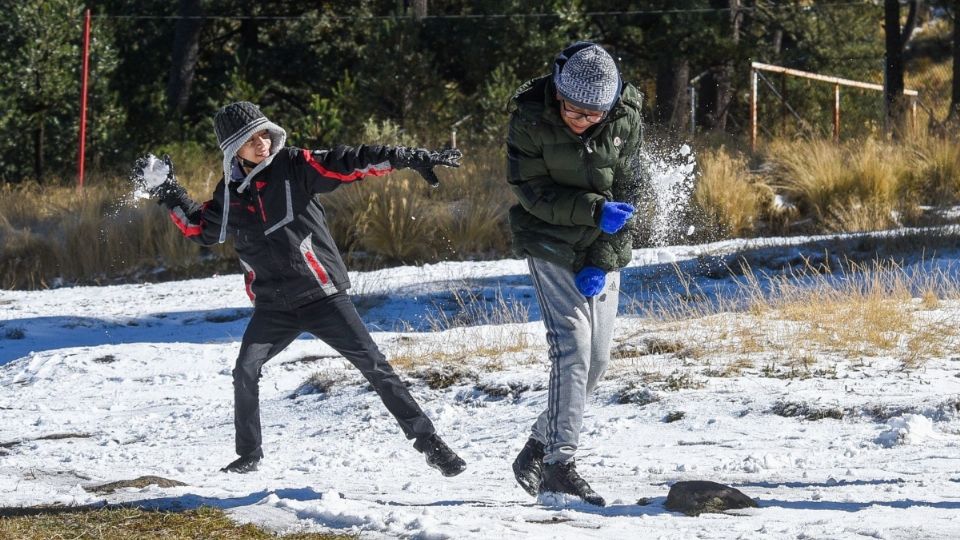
[(99, 384)]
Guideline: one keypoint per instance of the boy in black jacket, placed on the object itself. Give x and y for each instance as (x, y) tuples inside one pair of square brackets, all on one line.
[(293, 271)]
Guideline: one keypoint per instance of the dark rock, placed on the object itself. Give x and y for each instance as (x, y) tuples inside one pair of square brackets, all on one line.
[(704, 497), (674, 416)]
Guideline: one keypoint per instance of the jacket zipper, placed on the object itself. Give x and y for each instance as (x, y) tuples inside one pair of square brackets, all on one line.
[(586, 143), (279, 293), (263, 212)]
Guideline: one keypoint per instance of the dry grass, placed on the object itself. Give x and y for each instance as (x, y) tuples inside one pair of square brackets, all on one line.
[(730, 202), (54, 235), (91, 236), (792, 324), (57, 234), (811, 172), (489, 331), (471, 308), (400, 220), (934, 172), (487, 352), (844, 188), (133, 524), (390, 219)]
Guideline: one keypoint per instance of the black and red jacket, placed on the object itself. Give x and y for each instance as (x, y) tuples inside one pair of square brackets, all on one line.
[(279, 228)]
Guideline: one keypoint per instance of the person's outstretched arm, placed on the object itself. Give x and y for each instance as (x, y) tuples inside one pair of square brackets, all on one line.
[(329, 169), (200, 222)]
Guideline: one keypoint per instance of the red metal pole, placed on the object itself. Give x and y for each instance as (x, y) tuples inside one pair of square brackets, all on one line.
[(83, 96)]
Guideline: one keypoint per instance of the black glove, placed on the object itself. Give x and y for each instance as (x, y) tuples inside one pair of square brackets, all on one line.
[(154, 175), (423, 161)]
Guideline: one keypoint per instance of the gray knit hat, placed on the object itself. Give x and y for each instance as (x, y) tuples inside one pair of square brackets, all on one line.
[(586, 76), (234, 125)]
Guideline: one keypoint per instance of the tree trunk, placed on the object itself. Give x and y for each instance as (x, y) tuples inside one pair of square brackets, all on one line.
[(893, 98), (717, 88), (38, 135), (913, 15), (250, 29), (776, 46), (673, 102), (186, 50), (38, 164), (955, 84), (419, 9)]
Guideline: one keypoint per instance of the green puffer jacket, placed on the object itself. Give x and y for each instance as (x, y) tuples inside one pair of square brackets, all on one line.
[(562, 179)]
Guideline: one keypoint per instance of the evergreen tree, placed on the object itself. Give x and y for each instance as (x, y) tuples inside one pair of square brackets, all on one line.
[(40, 49)]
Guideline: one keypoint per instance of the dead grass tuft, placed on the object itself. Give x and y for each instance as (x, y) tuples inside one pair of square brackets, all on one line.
[(801, 323), (934, 173), (399, 219), (468, 307), (789, 409), (321, 382), (117, 523), (731, 203), (845, 188), (445, 376), (485, 352)]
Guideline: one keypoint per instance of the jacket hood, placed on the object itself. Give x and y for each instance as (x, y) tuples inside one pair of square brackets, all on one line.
[(231, 168)]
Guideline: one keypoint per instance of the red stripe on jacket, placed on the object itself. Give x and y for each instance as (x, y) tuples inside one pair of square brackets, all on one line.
[(356, 174), (187, 229), (317, 267)]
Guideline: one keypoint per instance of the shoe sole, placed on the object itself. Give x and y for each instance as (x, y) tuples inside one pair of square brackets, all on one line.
[(235, 471), (602, 503), (451, 473)]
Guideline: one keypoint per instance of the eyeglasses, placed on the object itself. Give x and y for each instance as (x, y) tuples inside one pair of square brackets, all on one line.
[(593, 118)]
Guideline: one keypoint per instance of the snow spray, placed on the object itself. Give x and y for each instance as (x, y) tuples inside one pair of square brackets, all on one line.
[(665, 175)]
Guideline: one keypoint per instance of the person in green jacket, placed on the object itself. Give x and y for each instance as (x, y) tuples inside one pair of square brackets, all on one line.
[(573, 152)]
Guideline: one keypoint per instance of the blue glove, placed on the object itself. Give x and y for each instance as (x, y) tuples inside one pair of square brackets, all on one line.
[(590, 280), (614, 215)]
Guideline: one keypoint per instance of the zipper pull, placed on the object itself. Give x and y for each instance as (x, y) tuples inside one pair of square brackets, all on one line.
[(589, 150)]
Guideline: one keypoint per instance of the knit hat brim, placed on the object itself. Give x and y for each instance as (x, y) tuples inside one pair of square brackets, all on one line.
[(231, 145)]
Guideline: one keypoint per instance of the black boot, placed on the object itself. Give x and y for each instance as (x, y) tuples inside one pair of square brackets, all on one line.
[(242, 465), (440, 456), (563, 478), (528, 467)]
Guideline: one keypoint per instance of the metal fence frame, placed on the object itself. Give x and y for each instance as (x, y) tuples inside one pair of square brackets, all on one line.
[(757, 67)]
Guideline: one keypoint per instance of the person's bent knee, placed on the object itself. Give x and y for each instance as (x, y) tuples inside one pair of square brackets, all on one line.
[(246, 373)]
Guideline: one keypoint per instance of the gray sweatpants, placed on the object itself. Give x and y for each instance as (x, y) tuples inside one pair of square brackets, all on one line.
[(579, 334)]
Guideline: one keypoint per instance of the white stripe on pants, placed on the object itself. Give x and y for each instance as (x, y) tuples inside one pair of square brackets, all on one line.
[(579, 334)]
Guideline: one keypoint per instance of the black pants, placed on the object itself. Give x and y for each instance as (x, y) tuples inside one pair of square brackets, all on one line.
[(334, 320)]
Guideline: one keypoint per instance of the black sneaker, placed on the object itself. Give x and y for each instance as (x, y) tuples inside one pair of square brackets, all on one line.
[(243, 465), (563, 478), (528, 467), (440, 456)]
